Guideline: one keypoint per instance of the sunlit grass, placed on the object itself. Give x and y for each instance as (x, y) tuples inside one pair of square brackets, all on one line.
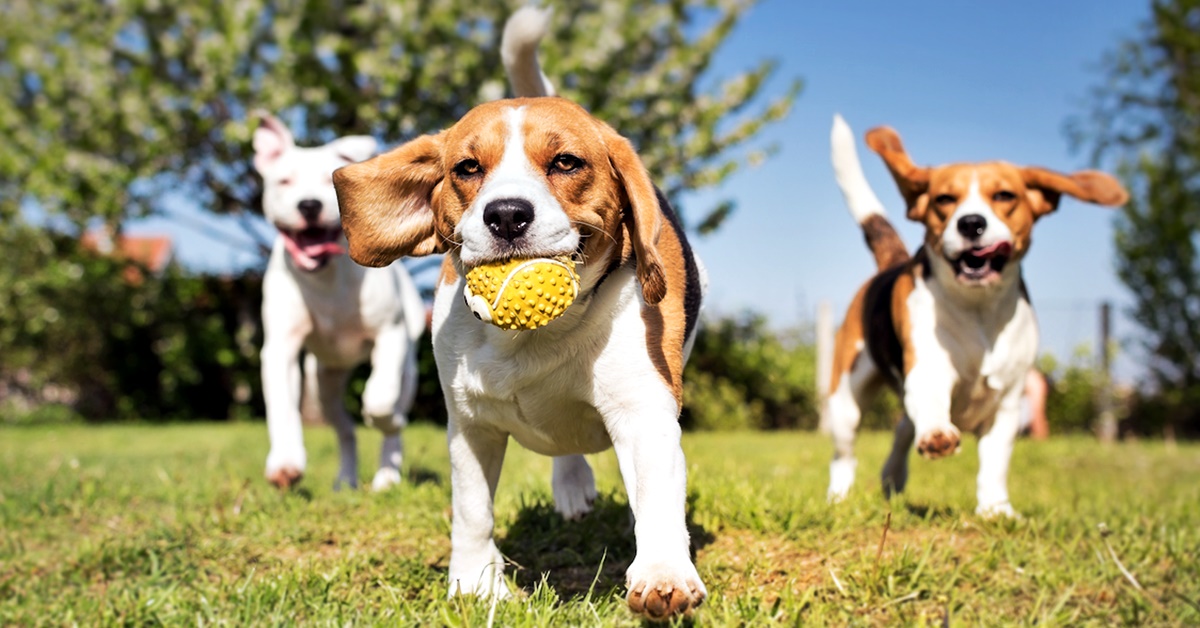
[(176, 525)]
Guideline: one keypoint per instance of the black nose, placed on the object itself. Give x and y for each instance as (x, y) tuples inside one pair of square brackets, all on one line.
[(972, 225), (309, 208), (508, 218)]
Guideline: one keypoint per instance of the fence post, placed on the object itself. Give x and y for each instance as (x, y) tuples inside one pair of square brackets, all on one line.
[(1106, 422), (824, 357)]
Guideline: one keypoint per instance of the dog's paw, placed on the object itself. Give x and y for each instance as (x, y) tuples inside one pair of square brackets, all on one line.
[(996, 511), (574, 487), (285, 477), (285, 469), (483, 577), (661, 590), (841, 478), (939, 442), (385, 478)]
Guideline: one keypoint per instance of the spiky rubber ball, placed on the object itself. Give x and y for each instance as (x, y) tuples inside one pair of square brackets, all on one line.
[(521, 294)]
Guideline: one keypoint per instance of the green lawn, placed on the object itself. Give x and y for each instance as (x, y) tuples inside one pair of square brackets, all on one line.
[(176, 525)]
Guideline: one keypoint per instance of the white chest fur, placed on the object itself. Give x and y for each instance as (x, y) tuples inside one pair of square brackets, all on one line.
[(547, 388), (984, 347)]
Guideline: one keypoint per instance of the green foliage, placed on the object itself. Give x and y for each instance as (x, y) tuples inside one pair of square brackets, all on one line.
[(114, 104), (1147, 115), (81, 329), (175, 525), (117, 110), (744, 375), (1071, 401)]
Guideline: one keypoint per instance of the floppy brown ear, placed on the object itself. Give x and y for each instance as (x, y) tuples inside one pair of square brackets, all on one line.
[(912, 180), (1046, 187), (387, 202), (644, 220)]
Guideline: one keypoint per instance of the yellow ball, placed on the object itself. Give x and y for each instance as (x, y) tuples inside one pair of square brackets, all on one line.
[(522, 294)]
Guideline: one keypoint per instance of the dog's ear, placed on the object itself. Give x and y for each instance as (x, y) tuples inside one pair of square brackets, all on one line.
[(355, 148), (644, 218), (1046, 187), (387, 202), (271, 140), (912, 180)]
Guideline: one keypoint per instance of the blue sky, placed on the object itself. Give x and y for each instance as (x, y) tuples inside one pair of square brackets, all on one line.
[(961, 81)]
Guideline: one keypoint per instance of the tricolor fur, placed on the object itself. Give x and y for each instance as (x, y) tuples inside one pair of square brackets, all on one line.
[(950, 328), (540, 177)]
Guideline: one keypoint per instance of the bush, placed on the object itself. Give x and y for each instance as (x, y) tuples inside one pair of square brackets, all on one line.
[(1074, 386), (743, 375), (78, 330)]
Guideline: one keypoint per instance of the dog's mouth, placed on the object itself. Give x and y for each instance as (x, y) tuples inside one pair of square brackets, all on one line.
[(982, 265), (312, 247)]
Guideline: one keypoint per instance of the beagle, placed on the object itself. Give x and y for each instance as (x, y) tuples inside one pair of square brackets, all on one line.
[(950, 328), (541, 177)]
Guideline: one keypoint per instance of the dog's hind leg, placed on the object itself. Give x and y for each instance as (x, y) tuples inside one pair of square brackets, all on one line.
[(843, 412), (574, 487), (895, 470), (331, 386)]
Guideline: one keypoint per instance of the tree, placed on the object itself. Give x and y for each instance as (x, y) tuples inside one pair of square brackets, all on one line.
[(1147, 116), (119, 109), (114, 104)]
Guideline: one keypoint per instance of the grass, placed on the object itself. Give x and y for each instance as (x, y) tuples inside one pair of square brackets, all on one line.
[(175, 525)]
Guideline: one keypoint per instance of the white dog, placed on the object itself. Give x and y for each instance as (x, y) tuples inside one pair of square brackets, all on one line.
[(317, 299), (540, 177)]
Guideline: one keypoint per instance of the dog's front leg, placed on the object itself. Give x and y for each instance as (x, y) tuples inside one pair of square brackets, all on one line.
[(995, 451), (662, 580), (280, 359), (383, 407), (928, 389), (476, 456)]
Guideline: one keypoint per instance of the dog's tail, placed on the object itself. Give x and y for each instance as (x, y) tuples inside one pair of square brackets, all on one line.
[(518, 50), (864, 206)]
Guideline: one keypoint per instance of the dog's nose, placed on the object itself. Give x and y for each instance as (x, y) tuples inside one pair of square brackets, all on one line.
[(972, 225), (310, 209), (508, 218)]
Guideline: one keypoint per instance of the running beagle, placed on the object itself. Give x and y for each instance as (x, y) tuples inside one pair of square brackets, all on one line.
[(950, 328), (541, 177)]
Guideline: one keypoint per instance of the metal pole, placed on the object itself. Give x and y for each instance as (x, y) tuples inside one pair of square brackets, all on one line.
[(1106, 422)]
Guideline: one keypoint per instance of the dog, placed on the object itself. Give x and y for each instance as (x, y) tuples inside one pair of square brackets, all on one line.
[(951, 327), (341, 314), (541, 177)]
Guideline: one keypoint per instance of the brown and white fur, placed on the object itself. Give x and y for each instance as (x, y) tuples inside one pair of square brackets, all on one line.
[(950, 328), (540, 177)]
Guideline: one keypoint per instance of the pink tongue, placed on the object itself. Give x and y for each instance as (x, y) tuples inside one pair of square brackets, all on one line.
[(326, 248), (305, 252), (999, 248)]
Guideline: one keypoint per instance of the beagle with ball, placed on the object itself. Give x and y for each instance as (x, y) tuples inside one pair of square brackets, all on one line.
[(542, 178), (950, 328)]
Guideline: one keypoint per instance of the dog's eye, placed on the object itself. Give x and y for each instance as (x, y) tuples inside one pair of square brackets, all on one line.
[(566, 163), (285, 181), (943, 200), (467, 168), (1004, 196)]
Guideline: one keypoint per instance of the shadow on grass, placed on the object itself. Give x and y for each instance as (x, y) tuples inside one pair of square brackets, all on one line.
[(423, 475), (572, 555), (931, 513)]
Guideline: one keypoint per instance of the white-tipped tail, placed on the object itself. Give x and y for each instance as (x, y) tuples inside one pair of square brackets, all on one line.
[(849, 173), (518, 51)]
